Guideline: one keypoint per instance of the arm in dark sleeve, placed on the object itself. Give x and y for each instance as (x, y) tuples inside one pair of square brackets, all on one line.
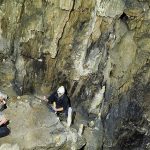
[(51, 98)]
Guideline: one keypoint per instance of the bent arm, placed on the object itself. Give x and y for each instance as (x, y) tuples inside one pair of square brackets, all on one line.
[(3, 120), (59, 109), (50, 99)]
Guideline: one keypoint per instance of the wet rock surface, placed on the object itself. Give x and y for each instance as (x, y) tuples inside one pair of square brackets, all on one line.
[(83, 46)]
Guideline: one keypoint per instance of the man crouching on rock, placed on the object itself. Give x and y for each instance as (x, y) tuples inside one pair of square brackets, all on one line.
[(58, 102), (4, 131)]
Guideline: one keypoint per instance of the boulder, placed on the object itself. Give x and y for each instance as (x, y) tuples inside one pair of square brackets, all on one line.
[(34, 126)]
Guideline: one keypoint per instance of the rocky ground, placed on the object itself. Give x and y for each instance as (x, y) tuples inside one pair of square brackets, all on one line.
[(33, 126)]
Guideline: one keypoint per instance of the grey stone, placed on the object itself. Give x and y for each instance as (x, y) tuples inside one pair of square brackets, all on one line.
[(33, 126)]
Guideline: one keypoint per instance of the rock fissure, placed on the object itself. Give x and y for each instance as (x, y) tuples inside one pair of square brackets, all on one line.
[(72, 9)]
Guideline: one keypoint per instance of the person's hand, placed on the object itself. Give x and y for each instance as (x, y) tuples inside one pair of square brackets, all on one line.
[(45, 98), (4, 102), (54, 108), (3, 121)]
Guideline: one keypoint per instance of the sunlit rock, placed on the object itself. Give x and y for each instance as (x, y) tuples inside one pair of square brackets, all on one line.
[(110, 8)]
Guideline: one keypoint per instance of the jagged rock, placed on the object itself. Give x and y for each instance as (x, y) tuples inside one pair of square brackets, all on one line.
[(97, 101), (93, 136), (110, 8), (33, 126), (67, 5), (7, 73), (9, 147)]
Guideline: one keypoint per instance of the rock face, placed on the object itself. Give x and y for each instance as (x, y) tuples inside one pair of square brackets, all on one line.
[(83, 45), (33, 126)]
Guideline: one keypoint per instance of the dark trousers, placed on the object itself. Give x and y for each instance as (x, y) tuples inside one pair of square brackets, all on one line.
[(4, 131)]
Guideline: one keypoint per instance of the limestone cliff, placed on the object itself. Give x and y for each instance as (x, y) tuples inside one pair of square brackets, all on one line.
[(98, 49)]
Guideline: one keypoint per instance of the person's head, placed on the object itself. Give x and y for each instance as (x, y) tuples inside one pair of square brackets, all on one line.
[(61, 91)]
